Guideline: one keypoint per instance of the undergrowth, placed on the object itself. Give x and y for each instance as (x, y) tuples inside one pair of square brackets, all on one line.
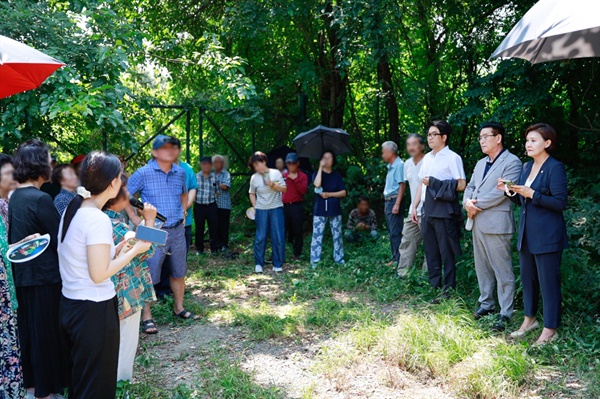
[(368, 315)]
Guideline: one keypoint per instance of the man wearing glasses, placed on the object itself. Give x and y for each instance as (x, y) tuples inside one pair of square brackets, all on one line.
[(442, 176), (492, 223)]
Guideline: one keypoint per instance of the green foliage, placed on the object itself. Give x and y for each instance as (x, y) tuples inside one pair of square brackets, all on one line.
[(378, 68), (87, 97)]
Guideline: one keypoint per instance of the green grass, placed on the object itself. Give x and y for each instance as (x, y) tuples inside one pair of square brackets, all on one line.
[(221, 376), (369, 316), (265, 321)]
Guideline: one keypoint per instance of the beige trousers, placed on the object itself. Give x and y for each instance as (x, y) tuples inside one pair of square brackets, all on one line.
[(409, 246)]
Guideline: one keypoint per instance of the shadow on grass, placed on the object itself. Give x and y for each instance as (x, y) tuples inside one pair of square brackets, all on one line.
[(373, 316)]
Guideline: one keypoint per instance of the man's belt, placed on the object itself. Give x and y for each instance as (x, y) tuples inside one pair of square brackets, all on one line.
[(174, 226)]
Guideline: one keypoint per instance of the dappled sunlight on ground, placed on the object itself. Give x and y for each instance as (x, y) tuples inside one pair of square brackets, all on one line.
[(338, 332)]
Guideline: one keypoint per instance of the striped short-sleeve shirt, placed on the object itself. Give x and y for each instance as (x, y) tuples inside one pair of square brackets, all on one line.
[(266, 197)]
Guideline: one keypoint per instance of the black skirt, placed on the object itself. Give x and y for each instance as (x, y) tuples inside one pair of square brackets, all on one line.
[(43, 360)]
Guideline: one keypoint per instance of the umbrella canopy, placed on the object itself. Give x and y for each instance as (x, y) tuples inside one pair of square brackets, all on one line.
[(313, 143), (23, 68), (555, 30)]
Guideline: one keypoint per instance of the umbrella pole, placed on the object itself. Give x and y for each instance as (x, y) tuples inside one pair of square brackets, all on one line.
[(322, 145)]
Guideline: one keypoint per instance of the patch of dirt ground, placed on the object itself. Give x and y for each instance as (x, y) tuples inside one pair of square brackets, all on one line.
[(280, 363)]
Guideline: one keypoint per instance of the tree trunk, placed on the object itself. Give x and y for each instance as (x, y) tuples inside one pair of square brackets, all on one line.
[(332, 90), (384, 73)]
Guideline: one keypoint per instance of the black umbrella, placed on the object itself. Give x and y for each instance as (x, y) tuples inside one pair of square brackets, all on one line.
[(313, 143)]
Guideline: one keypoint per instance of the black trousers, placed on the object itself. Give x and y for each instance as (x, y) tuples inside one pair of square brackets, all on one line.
[(441, 242), (541, 272), (188, 237), (294, 225), (223, 216), (206, 214), (44, 363), (90, 335)]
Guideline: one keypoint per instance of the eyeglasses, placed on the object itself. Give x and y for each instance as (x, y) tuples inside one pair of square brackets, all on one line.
[(432, 135), (486, 136)]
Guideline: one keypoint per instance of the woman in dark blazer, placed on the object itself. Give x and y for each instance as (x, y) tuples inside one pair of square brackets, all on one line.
[(542, 194)]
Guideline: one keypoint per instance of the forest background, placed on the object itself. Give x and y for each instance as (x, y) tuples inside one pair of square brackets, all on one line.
[(254, 73)]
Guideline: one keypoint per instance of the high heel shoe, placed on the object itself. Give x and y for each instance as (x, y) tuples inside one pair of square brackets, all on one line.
[(521, 333)]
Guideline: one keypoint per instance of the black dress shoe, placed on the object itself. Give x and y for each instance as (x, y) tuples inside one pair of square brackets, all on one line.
[(501, 324), (481, 312), (444, 295)]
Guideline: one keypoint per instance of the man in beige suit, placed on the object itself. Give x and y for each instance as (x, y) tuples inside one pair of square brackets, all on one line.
[(492, 223)]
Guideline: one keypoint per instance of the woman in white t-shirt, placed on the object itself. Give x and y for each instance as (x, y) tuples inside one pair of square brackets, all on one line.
[(266, 187), (89, 320)]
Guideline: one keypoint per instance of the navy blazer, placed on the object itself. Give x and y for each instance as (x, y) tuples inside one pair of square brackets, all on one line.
[(542, 221)]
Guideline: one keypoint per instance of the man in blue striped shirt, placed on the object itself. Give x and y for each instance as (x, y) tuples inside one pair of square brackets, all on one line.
[(162, 183)]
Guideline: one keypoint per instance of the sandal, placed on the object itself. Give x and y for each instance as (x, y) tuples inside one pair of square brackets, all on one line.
[(186, 315), (149, 327)]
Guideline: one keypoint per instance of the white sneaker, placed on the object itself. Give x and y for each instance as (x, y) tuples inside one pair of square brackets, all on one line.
[(258, 269), (277, 269)]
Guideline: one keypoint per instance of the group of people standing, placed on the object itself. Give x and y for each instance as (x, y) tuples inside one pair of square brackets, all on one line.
[(278, 201), (436, 179), (70, 317), (498, 182)]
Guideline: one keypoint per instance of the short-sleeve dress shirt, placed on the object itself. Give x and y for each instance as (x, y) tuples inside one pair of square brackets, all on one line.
[(411, 175), (163, 190), (207, 188), (445, 165), (394, 177)]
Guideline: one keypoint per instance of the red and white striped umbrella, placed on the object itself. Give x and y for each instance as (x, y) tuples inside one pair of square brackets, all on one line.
[(23, 68)]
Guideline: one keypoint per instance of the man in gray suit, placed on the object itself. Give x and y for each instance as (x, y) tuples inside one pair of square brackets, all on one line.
[(492, 223)]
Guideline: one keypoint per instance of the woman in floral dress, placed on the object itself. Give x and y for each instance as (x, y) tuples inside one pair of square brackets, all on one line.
[(11, 378), (133, 283)]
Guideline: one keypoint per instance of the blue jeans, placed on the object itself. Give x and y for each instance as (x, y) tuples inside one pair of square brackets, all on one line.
[(269, 222), (316, 246), (395, 223)]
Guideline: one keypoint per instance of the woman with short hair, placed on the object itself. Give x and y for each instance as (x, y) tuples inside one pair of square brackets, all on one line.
[(266, 187), (541, 191), (37, 281)]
